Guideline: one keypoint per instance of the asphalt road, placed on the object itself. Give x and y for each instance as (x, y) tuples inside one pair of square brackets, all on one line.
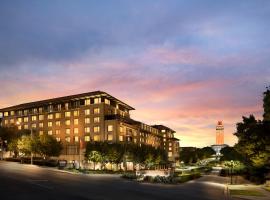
[(19, 181)]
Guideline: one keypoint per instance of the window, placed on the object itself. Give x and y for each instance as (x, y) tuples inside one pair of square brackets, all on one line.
[(57, 115), (87, 112), (57, 132), (40, 110), (87, 120), (107, 101), (96, 119), (121, 138), (67, 139), (19, 120), (170, 148), (67, 114), (12, 113), (50, 116), (58, 139), (41, 117), (6, 114), (12, 121), (34, 118), (25, 112), (6, 122), (40, 132), (57, 123), (67, 122), (25, 126), (50, 108), (87, 138), (59, 107), (25, 119), (66, 106), (87, 102), (97, 100), (110, 137), (76, 138), (163, 131), (121, 129), (87, 129), (76, 113), (169, 154), (96, 111), (49, 124), (35, 110), (96, 129), (110, 127), (67, 131), (34, 125), (96, 137), (76, 130), (20, 112), (50, 132), (19, 127), (76, 121)]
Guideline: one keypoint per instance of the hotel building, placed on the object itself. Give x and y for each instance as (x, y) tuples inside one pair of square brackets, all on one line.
[(94, 116)]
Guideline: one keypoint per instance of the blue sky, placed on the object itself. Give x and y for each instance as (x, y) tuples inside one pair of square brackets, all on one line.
[(185, 64)]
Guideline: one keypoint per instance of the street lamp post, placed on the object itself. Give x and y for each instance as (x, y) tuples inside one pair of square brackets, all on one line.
[(231, 166)]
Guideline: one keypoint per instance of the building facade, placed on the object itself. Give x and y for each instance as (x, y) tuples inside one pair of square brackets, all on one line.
[(94, 116), (219, 138)]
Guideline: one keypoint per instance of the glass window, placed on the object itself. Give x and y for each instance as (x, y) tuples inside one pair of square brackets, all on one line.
[(25, 126), (67, 131), (87, 120), (66, 106), (50, 132), (19, 127), (57, 131), (76, 130), (169, 154), (40, 110), (57, 115), (121, 129), (25, 119), (49, 124), (67, 139), (96, 111), (67, 122), (76, 138), (50, 116), (107, 101), (87, 102), (34, 125), (110, 127), (12, 113), (40, 132), (87, 138), (12, 121), (35, 110), (96, 138), (6, 114), (121, 138), (57, 123), (58, 139), (67, 114), (96, 119), (76, 113), (87, 112), (87, 129), (96, 129), (59, 107), (19, 120), (110, 137), (97, 100), (25, 112), (41, 117), (76, 121), (34, 118)]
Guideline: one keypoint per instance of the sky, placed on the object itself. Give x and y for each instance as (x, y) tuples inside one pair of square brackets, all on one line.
[(183, 64)]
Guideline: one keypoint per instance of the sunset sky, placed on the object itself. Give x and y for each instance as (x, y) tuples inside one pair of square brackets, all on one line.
[(183, 64)]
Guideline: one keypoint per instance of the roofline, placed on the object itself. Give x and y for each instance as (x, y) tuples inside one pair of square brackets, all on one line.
[(66, 98)]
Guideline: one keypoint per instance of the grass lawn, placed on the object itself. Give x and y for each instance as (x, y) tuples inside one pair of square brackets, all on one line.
[(246, 192)]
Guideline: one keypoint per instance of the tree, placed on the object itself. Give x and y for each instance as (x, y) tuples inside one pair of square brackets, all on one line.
[(95, 157), (47, 146), (25, 145), (266, 105), (229, 153)]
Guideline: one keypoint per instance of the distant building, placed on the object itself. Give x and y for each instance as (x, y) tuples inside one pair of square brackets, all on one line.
[(94, 116), (219, 138)]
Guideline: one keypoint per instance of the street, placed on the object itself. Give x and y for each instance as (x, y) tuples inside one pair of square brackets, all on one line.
[(19, 181)]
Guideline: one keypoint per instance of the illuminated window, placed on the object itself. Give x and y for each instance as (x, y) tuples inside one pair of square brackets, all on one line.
[(121, 138), (67, 122), (87, 138), (67, 114), (6, 122), (96, 119), (12, 113), (12, 121), (19, 127), (87, 112), (76, 130), (87, 120), (67, 139), (40, 132), (110, 127), (96, 138), (34, 118), (107, 101), (57, 115), (1, 114), (110, 137), (50, 108), (25, 126), (50, 132), (58, 139), (169, 154), (49, 124), (135, 140), (34, 125), (96, 129), (41, 117), (87, 129), (50, 116), (97, 100), (163, 131), (170, 144), (40, 110), (96, 111), (66, 106), (20, 112), (76, 113), (59, 107), (121, 129), (25, 119), (57, 132), (76, 138), (35, 110), (67, 131), (76, 121), (87, 102), (170, 148), (57, 123), (25, 112)]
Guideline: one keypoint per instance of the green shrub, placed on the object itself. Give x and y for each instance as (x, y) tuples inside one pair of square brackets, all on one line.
[(129, 176)]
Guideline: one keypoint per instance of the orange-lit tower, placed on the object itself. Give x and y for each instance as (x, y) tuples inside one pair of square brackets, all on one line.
[(219, 133)]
